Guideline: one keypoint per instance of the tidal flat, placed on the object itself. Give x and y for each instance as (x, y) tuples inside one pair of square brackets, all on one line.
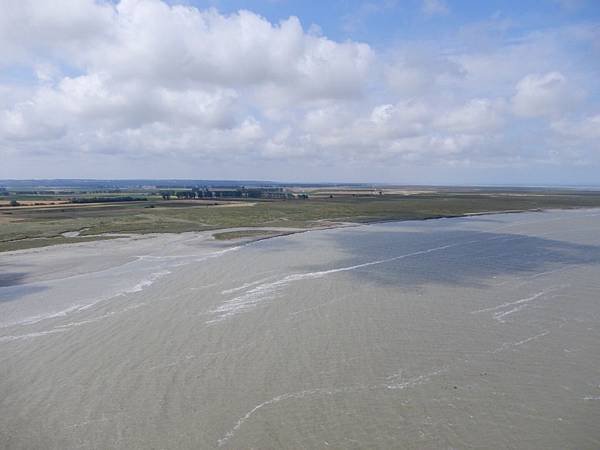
[(37, 226), (468, 332)]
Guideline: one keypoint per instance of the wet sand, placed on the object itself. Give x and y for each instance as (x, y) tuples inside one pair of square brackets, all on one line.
[(478, 332)]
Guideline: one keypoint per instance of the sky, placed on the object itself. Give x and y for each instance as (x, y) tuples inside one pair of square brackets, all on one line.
[(392, 91)]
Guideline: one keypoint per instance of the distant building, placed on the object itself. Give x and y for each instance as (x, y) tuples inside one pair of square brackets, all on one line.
[(205, 192)]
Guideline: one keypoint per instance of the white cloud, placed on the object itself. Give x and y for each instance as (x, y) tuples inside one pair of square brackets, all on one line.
[(544, 95), (147, 81), (153, 63), (29, 28), (417, 70), (587, 128), (182, 46), (476, 116)]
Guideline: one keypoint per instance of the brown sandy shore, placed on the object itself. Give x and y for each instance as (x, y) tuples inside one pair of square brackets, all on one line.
[(473, 332)]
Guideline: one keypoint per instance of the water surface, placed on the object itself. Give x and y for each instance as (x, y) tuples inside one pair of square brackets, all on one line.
[(477, 332)]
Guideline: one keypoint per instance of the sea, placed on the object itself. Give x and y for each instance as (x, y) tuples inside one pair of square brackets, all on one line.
[(479, 332)]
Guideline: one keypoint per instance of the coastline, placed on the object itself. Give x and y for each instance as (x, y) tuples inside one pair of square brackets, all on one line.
[(75, 238), (247, 240)]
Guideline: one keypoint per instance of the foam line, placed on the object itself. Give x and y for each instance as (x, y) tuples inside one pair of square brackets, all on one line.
[(138, 287), (508, 304), (65, 327), (409, 383), (244, 286), (499, 316), (267, 291), (30, 335), (38, 318)]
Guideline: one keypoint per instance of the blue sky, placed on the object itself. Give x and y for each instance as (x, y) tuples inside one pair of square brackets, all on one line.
[(381, 23), (399, 91)]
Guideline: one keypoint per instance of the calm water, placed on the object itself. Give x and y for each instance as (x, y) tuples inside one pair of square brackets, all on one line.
[(480, 332)]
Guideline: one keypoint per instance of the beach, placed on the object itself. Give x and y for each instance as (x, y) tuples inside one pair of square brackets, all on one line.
[(468, 332)]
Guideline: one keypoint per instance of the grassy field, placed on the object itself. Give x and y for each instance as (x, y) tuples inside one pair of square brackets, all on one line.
[(39, 226)]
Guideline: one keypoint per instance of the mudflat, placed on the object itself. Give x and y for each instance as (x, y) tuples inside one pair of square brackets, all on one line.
[(473, 332)]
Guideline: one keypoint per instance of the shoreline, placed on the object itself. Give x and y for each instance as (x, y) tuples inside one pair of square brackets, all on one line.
[(270, 233), (247, 240)]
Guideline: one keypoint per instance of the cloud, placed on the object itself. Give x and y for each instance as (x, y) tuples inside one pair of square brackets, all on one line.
[(476, 116), (183, 46), (586, 129), (544, 95), (160, 64), (178, 45), (29, 28), (102, 84), (417, 69)]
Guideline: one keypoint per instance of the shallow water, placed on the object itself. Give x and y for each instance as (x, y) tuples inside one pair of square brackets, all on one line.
[(478, 332)]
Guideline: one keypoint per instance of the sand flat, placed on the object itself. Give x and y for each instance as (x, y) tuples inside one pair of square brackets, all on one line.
[(476, 332)]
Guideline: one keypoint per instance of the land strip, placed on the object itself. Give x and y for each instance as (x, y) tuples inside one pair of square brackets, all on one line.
[(33, 226)]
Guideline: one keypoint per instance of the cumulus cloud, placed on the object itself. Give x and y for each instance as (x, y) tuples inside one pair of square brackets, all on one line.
[(476, 116), (149, 63), (184, 46), (544, 95), (154, 82), (29, 28)]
